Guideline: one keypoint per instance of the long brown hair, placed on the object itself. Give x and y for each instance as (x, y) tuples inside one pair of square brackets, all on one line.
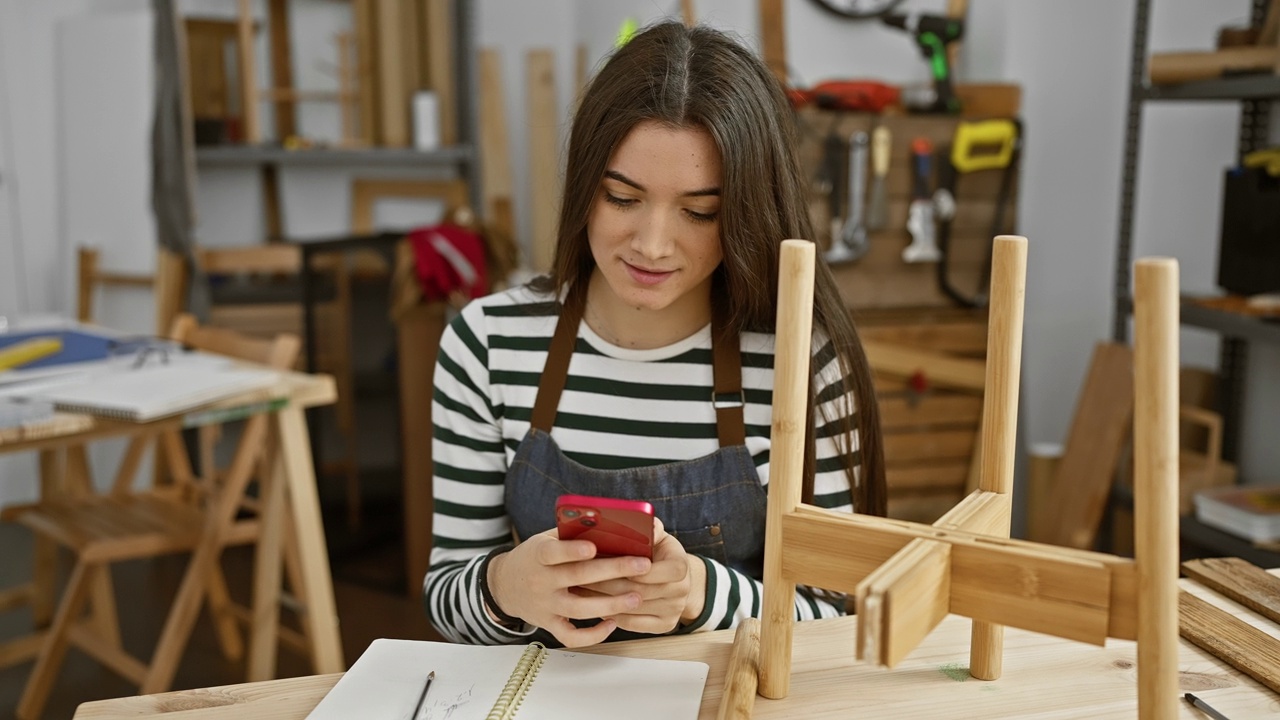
[(700, 77)]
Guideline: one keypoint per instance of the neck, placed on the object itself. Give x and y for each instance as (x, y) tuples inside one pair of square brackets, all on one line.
[(642, 328)]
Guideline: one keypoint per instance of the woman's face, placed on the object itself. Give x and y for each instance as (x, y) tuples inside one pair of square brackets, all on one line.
[(654, 228)]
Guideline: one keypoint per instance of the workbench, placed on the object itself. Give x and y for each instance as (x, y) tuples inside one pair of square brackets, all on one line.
[(1043, 677)]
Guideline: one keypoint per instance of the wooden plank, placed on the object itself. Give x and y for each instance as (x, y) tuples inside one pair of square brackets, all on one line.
[(742, 675), (790, 391), (413, 39), (286, 110), (948, 475), (544, 162), (1099, 430), (265, 259), (982, 512), (1230, 639), (773, 38), (903, 600), (968, 338), (995, 580), (209, 88), (1239, 580), (1171, 68), (1155, 452), (363, 19), (989, 100), (248, 73), (941, 370), (439, 40), (900, 412), (321, 619), (922, 507), (261, 664), (20, 650), (495, 148), (919, 447), (1000, 418), (688, 14), (392, 92), (418, 333)]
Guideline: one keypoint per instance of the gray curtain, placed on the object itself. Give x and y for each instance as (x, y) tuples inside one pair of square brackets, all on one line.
[(172, 154)]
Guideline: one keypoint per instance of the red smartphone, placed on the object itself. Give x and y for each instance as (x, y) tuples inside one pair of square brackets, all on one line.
[(616, 527)]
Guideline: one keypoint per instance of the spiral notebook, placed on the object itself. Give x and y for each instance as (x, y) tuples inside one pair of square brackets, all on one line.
[(511, 682), (153, 392)]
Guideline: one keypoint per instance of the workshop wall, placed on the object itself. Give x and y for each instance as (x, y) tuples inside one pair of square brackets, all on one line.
[(1070, 58)]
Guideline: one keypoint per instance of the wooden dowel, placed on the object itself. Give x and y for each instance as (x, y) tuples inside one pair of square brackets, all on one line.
[(248, 73), (740, 678), (790, 395), (1000, 414), (1156, 483)]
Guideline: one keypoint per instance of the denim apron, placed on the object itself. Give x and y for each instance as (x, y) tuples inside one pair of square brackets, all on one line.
[(714, 505)]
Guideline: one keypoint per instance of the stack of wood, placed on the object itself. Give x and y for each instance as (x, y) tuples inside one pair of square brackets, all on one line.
[(1240, 51), (396, 49)]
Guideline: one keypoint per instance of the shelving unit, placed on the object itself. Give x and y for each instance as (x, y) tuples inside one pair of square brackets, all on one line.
[(461, 158), (458, 161), (1255, 93)]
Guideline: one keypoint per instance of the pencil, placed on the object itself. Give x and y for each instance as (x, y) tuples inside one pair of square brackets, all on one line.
[(422, 698), (1204, 707)]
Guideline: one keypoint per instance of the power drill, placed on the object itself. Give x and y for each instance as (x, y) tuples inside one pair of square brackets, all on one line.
[(933, 34)]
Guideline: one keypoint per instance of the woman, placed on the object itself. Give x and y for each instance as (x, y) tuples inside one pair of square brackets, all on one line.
[(641, 368)]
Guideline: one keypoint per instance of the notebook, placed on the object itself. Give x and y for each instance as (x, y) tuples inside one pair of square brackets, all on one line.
[(511, 682), (1250, 512), (153, 392)]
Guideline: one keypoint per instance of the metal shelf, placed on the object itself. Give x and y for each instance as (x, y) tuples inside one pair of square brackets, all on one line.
[(1231, 324), (1243, 87), (251, 155)]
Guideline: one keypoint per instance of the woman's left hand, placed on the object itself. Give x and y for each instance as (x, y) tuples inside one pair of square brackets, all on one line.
[(673, 590)]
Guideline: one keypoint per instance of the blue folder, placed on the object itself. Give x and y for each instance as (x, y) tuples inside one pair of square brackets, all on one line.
[(77, 346)]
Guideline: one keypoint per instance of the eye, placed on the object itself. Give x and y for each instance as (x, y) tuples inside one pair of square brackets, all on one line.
[(619, 201), (701, 217)]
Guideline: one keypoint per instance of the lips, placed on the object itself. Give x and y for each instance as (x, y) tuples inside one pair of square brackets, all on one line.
[(646, 276)]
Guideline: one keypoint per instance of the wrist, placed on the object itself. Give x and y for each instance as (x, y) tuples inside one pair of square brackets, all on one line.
[(696, 600), (491, 586)]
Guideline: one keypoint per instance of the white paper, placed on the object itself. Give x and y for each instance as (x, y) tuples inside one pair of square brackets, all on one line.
[(386, 681)]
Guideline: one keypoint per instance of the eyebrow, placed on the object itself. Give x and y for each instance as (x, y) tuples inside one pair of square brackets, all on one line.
[(615, 175)]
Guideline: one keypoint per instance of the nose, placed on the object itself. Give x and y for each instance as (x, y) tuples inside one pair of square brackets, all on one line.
[(654, 237)]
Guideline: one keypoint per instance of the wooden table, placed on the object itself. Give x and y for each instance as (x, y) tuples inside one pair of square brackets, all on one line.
[(1044, 677), (298, 391)]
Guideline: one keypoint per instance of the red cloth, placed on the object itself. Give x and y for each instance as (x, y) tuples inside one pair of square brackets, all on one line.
[(449, 259)]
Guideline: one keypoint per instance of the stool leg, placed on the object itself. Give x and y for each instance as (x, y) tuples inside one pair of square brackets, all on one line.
[(45, 562), (224, 621), (54, 650)]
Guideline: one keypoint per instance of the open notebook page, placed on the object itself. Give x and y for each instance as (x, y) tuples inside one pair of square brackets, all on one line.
[(385, 682)]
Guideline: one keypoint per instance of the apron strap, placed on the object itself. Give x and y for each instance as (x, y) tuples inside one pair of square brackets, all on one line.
[(728, 397), (556, 371), (726, 358)]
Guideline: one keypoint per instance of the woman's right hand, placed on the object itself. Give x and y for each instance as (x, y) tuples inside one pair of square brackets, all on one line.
[(536, 582)]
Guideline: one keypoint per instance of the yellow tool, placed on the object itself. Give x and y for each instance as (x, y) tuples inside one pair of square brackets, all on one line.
[(1268, 159), (29, 351), (985, 145)]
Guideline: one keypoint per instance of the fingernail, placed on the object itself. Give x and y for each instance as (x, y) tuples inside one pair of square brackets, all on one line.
[(584, 551), (633, 601), (640, 565)]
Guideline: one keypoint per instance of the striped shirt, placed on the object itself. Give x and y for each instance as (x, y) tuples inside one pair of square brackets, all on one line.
[(621, 408)]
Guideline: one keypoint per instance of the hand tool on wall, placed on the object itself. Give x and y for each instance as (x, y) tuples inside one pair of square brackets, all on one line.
[(923, 247), (852, 242), (933, 33), (878, 209), (976, 146), (832, 174)]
